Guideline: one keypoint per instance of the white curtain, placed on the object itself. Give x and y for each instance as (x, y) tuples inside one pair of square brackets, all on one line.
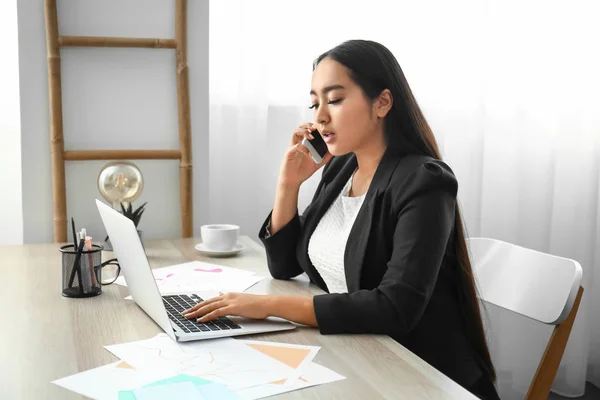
[(511, 90)]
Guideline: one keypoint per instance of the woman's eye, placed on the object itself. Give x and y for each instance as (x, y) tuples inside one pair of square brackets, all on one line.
[(316, 105)]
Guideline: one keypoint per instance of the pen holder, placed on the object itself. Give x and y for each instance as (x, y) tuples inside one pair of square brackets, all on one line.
[(82, 272)]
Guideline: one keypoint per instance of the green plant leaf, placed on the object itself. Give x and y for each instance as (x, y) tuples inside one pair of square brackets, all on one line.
[(138, 211), (136, 215), (137, 218)]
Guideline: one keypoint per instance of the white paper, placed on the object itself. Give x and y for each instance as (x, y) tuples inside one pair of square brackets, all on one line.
[(197, 276), (289, 358), (314, 375), (191, 267), (106, 381), (223, 360)]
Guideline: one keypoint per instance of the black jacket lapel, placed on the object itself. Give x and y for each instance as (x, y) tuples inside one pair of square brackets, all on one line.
[(358, 239)]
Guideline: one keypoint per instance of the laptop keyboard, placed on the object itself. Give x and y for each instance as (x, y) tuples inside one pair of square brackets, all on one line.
[(176, 303)]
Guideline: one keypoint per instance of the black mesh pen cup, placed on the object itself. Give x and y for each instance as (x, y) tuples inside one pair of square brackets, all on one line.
[(82, 271)]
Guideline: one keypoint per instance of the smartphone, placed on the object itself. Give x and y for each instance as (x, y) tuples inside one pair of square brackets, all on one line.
[(317, 146)]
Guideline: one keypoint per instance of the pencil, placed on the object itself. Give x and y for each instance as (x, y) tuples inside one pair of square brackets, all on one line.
[(76, 265), (74, 235), (88, 247)]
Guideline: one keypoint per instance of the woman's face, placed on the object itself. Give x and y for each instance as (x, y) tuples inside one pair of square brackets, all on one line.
[(342, 113)]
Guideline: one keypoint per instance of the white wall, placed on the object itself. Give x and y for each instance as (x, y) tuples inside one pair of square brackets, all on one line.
[(112, 98), (11, 212)]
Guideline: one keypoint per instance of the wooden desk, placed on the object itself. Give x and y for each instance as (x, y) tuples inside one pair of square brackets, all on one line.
[(45, 336)]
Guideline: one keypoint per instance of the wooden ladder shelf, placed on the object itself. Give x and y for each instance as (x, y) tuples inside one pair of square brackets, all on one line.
[(58, 153)]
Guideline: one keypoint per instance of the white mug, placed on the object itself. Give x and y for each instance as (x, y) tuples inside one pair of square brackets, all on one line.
[(219, 237)]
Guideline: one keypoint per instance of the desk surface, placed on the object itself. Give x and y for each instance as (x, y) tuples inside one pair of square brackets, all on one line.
[(45, 336)]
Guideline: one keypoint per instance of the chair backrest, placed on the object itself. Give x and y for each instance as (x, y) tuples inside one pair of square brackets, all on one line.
[(534, 284), (537, 285)]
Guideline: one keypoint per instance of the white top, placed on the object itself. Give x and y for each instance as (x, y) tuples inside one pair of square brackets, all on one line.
[(327, 244)]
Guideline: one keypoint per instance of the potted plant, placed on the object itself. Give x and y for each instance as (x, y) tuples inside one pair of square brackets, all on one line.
[(134, 215)]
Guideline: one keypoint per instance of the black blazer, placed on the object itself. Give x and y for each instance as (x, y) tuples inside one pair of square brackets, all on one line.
[(399, 261)]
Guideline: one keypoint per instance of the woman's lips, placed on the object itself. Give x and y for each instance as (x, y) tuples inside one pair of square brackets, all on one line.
[(329, 137)]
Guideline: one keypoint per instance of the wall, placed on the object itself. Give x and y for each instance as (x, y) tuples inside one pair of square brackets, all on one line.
[(11, 212), (113, 98)]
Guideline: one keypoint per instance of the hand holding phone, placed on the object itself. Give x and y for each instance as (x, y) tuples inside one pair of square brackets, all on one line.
[(316, 146), (296, 166)]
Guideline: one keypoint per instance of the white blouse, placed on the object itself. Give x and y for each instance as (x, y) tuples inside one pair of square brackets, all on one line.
[(328, 242)]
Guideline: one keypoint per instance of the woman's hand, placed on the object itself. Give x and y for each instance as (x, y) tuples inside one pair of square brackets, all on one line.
[(237, 304), (256, 306), (297, 164)]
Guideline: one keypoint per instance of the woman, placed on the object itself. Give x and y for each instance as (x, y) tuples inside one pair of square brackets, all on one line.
[(383, 234)]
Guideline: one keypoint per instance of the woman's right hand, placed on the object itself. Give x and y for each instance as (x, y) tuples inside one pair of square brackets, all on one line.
[(297, 164)]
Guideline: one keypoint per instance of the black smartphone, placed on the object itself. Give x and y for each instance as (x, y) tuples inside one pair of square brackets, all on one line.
[(317, 146)]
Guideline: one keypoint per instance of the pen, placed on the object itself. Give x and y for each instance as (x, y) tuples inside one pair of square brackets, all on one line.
[(84, 266), (74, 235), (88, 247), (76, 266)]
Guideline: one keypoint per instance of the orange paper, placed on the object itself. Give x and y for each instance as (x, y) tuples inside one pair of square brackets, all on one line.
[(123, 364), (291, 357)]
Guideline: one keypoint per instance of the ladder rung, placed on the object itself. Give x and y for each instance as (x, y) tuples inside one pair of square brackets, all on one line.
[(85, 155), (99, 41)]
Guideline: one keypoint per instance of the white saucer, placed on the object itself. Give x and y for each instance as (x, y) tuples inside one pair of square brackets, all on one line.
[(205, 250)]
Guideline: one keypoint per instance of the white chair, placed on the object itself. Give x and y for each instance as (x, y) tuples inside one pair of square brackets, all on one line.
[(537, 285)]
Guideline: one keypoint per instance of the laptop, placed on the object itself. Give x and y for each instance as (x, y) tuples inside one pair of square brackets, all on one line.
[(165, 309)]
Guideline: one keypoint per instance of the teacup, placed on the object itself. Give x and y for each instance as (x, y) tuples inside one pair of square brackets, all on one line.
[(219, 237)]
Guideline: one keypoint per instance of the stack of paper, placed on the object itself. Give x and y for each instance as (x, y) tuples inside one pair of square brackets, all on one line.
[(226, 360), (210, 369), (197, 276)]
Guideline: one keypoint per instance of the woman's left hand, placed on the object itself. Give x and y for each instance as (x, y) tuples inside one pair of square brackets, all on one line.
[(236, 304)]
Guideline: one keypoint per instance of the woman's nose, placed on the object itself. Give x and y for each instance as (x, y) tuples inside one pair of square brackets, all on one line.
[(321, 118)]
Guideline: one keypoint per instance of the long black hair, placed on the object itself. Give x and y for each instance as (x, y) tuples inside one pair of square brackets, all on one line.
[(374, 68)]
